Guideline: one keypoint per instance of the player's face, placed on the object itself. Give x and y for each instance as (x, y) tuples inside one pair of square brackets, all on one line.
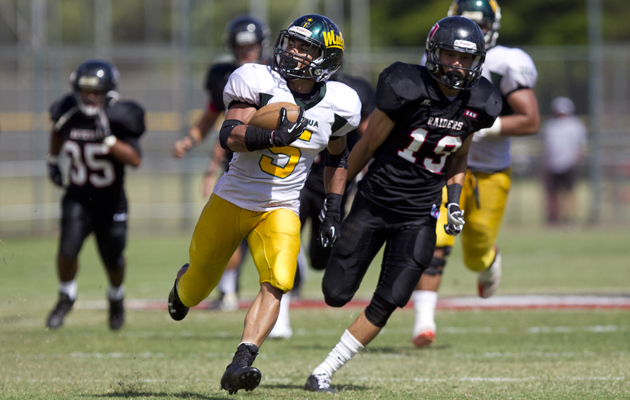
[(303, 49), (248, 53), (456, 60), (95, 98)]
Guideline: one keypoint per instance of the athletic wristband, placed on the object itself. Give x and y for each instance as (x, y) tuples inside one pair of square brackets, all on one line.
[(333, 205), (258, 138), (454, 192), (110, 141), (494, 130)]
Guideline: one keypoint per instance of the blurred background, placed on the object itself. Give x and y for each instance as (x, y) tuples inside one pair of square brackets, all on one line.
[(163, 48)]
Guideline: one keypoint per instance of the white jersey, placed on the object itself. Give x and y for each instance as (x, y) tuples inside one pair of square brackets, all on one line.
[(264, 180), (509, 69)]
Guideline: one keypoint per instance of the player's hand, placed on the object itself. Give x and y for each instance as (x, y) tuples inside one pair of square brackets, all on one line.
[(288, 131), (182, 146), (455, 217), (330, 220), (54, 173)]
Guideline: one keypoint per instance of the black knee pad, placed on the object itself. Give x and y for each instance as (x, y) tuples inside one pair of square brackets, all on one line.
[(379, 311), (435, 267)]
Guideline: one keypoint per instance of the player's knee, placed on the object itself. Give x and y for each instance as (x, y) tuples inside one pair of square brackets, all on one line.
[(379, 311), (114, 263), (436, 267)]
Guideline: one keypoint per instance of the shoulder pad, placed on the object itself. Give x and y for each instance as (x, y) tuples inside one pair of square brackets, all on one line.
[(218, 76), (61, 106), (398, 85), (127, 116)]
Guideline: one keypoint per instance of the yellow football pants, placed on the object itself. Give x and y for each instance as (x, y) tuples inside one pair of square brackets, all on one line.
[(484, 198), (273, 238)]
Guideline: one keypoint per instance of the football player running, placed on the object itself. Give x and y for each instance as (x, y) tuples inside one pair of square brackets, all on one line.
[(258, 197), (418, 135), (100, 136), (312, 199), (247, 37), (488, 179)]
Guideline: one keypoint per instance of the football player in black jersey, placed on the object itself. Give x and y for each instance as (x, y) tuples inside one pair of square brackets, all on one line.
[(99, 134), (247, 37), (312, 200), (418, 137)]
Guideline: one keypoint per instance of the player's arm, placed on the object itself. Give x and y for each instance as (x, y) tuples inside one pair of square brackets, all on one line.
[(525, 120), (335, 172), (218, 153), (378, 129), (236, 135), (455, 174), (196, 134), (123, 151), (336, 166), (52, 163)]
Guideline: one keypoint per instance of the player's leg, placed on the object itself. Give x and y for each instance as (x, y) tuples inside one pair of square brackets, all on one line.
[(75, 226), (426, 294), (274, 244), (216, 237), (110, 230), (480, 233), (408, 251), (361, 239)]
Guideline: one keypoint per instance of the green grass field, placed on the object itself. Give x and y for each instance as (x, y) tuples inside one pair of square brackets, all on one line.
[(533, 354)]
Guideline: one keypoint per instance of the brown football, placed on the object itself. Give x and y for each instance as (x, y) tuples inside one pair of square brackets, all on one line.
[(268, 117)]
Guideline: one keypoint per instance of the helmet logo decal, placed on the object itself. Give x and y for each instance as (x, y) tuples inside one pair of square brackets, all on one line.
[(333, 40), (88, 81), (464, 44), (433, 30), (301, 31)]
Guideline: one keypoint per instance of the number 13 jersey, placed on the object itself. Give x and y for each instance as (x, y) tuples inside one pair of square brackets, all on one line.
[(407, 174)]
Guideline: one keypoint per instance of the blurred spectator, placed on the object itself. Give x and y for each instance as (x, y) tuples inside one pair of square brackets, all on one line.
[(564, 138)]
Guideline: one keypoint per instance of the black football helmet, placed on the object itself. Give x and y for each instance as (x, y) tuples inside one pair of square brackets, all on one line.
[(457, 34), (244, 30), (486, 13), (94, 74), (322, 33)]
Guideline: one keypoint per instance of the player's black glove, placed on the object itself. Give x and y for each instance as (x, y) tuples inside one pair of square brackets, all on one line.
[(330, 220), (288, 131), (54, 173), (455, 217)]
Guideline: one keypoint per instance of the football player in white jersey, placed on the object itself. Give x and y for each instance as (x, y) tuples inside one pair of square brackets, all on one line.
[(258, 197), (488, 179)]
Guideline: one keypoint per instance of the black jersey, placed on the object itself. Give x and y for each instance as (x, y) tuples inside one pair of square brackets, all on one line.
[(315, 181), (94, 172), (407, 174), (216, 79)]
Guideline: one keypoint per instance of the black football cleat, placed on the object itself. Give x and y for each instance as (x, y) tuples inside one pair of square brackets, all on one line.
[(116, 314), (318, 383), (240, 374), (176, 309), (63, 307)]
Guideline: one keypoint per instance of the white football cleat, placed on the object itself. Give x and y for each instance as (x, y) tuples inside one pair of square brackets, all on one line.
[(489, 279), (281, 331), (424, 338), (229, 302)]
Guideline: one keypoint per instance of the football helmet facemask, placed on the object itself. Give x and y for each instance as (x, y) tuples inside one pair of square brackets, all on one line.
[(326, 41), (244, 30), (486, 13), (456, 34), (94, 75)]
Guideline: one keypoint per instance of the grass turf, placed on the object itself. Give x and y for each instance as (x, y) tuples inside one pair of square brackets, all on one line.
[(542, 354)]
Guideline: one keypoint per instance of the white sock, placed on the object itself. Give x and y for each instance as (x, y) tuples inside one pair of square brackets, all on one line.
[(283, 315), (424, 302), (69, 288), (227, 284), (115, 293), (347, 347)]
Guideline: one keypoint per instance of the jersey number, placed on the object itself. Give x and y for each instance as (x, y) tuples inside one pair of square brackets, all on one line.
[(267, 163), (100, 172), (444, 148)]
